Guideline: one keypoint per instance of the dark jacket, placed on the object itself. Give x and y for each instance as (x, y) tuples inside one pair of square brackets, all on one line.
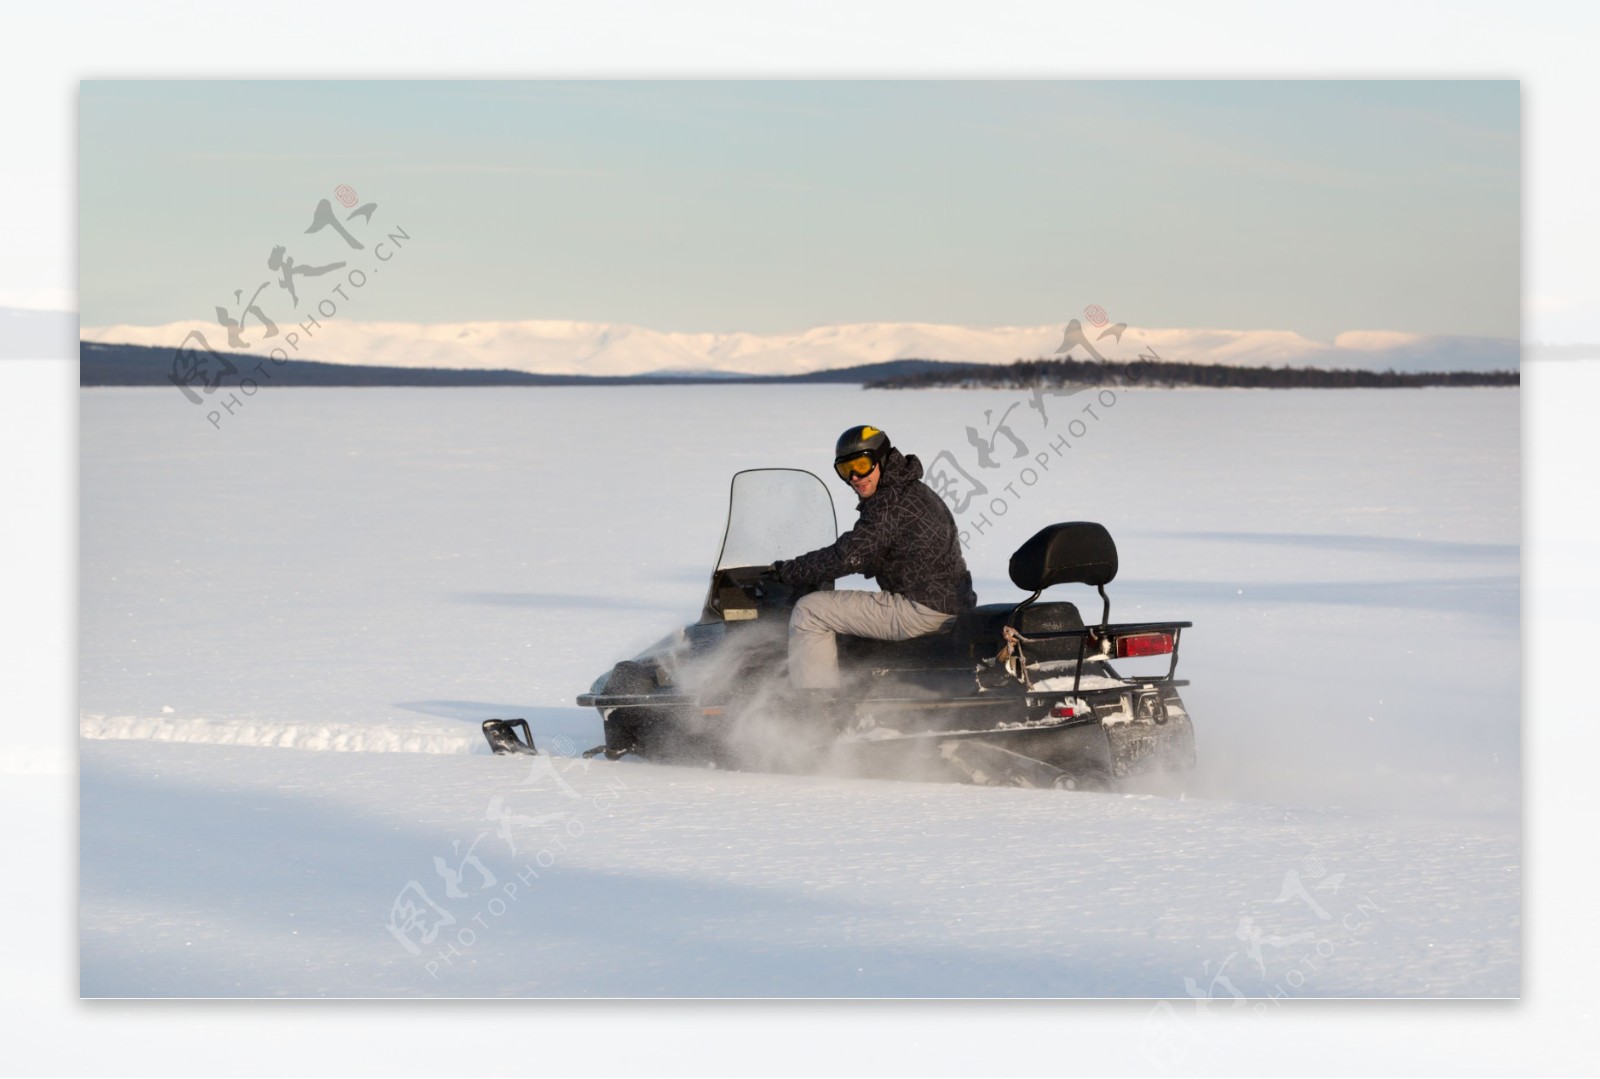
[(905, 537)]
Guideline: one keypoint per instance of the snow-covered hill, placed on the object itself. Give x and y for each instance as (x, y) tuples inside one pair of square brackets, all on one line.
[(587, 348)]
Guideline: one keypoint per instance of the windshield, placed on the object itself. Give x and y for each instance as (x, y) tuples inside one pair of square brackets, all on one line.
[(776, 513)]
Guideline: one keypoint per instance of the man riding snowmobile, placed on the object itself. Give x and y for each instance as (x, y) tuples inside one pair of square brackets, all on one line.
[(906, 538)]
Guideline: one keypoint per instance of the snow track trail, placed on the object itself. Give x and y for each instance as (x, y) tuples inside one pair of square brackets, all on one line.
[(339, 737)]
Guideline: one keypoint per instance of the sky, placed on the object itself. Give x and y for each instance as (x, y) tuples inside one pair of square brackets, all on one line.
[(772, 207)]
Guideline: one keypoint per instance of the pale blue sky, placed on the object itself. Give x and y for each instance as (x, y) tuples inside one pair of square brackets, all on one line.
[(773, 206)]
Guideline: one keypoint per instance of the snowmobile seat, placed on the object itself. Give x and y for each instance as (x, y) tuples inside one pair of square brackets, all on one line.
[(974, 635), (1073, 552), (983, 625), (943, 649)]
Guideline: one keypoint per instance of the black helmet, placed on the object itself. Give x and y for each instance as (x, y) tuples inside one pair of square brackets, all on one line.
[(856, 444)]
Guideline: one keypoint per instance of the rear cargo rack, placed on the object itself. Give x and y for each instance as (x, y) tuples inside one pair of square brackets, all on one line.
[(1102, 635)]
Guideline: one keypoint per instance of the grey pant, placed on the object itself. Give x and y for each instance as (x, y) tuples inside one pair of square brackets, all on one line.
[(813, 647)]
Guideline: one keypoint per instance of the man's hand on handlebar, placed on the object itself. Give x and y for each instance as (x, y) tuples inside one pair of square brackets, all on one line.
[(771, 586)]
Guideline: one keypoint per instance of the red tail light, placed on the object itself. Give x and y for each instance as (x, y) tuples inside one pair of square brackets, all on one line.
[(1144, 644), (1061, 711)]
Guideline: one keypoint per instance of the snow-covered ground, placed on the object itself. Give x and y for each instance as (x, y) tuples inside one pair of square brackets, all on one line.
[(377, 571)]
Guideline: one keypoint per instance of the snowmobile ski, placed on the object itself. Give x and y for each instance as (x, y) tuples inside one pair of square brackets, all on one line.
[(503, 739)]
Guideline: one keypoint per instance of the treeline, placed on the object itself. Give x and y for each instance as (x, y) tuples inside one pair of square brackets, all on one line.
[(1028, 374), (144, 365)]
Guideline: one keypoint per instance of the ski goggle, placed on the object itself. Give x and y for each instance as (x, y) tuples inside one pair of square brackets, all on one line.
[(855, 467)]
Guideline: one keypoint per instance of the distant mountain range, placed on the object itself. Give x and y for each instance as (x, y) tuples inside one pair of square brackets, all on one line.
[(588, 349), (575, 353)]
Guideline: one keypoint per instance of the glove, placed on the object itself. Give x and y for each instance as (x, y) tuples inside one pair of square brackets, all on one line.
[(771, 585)]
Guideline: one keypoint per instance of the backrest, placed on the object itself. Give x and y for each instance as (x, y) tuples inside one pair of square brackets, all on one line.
[(1075, 552)]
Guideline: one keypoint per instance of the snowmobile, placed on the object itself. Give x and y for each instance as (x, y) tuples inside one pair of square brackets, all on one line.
[(1021, 693)]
